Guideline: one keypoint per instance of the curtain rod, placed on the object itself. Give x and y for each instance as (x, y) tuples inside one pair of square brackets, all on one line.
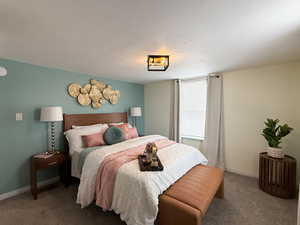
[(217, 75)]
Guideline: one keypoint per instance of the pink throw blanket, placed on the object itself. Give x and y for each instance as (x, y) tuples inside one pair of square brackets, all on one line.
[(108, 169)]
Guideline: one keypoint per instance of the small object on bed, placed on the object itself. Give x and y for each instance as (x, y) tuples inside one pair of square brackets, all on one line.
[(154, 163), (151, 152), (113, 135), (149, 161), (152, 166)]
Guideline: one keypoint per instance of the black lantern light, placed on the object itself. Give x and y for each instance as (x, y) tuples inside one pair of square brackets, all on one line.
[(158, 62)]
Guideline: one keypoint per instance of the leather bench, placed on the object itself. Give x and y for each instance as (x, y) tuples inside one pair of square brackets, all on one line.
[(187, 200)]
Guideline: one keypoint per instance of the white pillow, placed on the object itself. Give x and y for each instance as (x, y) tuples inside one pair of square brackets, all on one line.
[(74, 136), (98, 124), (116, 124)]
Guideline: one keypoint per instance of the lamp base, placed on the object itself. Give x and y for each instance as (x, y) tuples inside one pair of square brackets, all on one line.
[(134, 121), (51, 136)]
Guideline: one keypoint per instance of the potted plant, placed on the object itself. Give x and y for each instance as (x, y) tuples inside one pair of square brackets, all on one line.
[(273, 133)]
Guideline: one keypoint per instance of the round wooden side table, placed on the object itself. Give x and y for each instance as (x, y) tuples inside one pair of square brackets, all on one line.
[(277, 176)]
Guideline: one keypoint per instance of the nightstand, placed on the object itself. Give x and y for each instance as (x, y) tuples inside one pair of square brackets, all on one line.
[(55, 160), (277, 176)]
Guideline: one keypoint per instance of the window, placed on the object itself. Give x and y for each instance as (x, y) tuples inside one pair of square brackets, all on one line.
[(193, 108)]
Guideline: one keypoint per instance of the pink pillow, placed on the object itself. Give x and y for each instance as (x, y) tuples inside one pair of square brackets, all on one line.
[(132, 133), (93, 140)]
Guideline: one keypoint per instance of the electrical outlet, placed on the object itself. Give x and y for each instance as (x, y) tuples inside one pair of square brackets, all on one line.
[(19, 116)]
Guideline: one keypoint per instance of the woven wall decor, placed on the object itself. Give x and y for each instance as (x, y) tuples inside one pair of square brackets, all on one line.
[(94, 94)]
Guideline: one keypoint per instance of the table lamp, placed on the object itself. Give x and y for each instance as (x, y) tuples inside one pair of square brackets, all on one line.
[(135, 112), (51, 115)]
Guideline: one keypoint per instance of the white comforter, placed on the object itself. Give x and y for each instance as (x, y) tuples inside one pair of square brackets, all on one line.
[(136, 193)]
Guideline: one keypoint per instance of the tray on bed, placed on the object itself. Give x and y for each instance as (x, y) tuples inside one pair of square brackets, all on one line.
[(144, 167)]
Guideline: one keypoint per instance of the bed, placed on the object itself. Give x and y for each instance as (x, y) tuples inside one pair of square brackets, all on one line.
[(135, 193)]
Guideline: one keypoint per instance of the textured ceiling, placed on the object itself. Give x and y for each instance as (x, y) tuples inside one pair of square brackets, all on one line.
[(112, 38)]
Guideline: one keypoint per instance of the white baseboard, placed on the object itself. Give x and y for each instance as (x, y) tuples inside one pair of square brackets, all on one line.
[(241, 173), (27, 188)]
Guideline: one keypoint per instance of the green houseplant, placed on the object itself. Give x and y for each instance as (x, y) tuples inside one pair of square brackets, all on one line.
[(273, 133)]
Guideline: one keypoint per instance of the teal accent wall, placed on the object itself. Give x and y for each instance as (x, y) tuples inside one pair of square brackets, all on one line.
[(26, 89)]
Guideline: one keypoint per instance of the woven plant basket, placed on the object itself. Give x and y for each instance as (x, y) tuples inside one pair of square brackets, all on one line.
[(275, 152)]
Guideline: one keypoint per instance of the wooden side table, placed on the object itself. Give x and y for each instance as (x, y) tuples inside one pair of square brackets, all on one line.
[(41, 163), (277, 176)]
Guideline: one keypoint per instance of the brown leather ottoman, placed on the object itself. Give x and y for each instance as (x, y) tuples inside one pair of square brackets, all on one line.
[(186, 201)]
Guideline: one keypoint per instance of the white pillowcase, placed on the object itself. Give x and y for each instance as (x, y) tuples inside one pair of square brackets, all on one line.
[(98, 124), (74, 136)]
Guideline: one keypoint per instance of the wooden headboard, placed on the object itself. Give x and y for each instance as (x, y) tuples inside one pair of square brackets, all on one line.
[(93, 118)]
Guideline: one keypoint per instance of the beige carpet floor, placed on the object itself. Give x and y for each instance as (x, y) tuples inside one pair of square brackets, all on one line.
[(244, 204)]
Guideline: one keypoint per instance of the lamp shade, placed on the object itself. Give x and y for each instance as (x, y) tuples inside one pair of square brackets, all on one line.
[(136, 111), (53, 113)]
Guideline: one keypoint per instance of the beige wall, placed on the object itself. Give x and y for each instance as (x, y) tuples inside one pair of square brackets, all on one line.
[(250, 96), (157, 105)]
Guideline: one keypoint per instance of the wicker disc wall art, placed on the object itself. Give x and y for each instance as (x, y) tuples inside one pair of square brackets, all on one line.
[(74, 90), (94, 94)]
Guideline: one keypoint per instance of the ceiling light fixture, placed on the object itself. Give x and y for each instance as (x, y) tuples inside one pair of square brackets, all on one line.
[(3, 71), (158, 62)]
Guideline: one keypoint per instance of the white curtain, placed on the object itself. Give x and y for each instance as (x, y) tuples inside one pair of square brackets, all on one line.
[(214, 124), (175, 117)]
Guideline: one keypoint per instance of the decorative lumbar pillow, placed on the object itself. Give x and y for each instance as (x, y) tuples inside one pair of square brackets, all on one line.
[(93, 140), (113, 135)]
